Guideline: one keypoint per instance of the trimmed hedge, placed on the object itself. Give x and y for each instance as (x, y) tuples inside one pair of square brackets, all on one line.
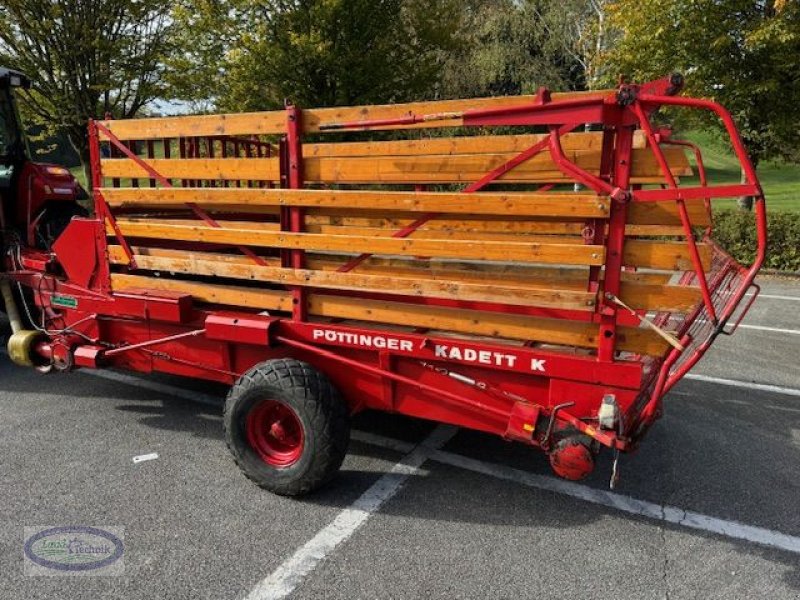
[(735, 231)]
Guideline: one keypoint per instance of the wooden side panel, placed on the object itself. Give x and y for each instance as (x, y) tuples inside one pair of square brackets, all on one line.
[(469, 168), (313, 119), (639, 290), (668, 256), (523, 204), (394, 284), (666, 213), (551, 331), (477, 250), (480, 144), (391, 170), (243, 124), (274, 122), (236, 169)]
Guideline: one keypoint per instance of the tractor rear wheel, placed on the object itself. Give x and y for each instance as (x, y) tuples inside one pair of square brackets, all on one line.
[(287, 426)]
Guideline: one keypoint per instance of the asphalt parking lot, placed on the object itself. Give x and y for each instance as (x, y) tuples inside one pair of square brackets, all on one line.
[(708, 508)]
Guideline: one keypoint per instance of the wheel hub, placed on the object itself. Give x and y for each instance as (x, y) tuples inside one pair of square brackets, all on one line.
[(275, 433)]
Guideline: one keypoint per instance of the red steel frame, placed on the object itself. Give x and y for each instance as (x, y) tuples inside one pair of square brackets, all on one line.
[(517, 392)]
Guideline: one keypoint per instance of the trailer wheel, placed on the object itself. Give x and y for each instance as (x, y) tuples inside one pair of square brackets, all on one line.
[(286, 426)]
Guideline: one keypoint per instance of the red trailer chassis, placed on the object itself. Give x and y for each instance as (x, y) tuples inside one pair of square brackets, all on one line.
[(570, 404)]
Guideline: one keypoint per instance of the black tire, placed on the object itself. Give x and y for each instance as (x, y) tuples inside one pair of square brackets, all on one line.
[(288, 385)]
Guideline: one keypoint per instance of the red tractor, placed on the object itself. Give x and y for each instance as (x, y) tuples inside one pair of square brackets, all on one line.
[(38, 199)]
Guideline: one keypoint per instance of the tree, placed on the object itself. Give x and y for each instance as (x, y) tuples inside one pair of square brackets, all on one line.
[(85, 59), (579, 29), (745, 54), (512, 47), (253, 55)]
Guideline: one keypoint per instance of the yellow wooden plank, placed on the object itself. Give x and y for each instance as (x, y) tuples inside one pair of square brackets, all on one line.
[(420, 234), (471, 167), (476, 250), (572, 278), (237, 169), (660, 298), (670, 256), (274, 122), (243, 124), (666, 213), (552, 331), (510, 203), (646, 291), (196, 264), (312, 119), (479, 144)]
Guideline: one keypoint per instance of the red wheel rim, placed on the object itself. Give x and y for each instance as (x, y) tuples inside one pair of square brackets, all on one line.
[(275, 432)]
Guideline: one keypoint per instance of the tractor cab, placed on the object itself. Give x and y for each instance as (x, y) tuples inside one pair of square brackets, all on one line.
[(37, 200)]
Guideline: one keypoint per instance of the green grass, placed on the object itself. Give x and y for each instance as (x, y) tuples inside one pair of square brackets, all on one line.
[(781, 181)]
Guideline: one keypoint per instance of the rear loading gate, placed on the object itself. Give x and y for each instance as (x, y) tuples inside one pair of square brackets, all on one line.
[(426, 261)]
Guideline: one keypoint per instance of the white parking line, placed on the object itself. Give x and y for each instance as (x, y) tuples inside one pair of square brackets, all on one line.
[(772, 329), (774, 297), (668, 514), (762, 387), (651, 510), (291, 573)]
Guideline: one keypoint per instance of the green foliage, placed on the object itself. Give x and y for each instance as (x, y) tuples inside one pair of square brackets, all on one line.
[(745, 54), (254, 55), (509, 47), (244, 55), (85, 58), (735, 231)]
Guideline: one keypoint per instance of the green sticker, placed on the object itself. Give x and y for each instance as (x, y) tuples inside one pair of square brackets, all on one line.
[(65, 301)]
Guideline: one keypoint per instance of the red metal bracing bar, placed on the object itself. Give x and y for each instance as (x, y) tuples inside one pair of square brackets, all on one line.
[(644, 121), (150, 343), (493, 175), (100, 206), (753, 186), (664, 138), (199, 212), (293, 218)]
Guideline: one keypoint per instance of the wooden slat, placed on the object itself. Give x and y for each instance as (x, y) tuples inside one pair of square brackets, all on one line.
[(196, 264), (314, 118), (480, 144), (477, 250), (552, 331), (646, 291), (525, 204), (643, 219), (669, 256), (419, 234), (487, 273), (274, 122), (236, 169), (666, 213), (660, 298), (488, 224), (469, 168), (243, 124), (390, 170)]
